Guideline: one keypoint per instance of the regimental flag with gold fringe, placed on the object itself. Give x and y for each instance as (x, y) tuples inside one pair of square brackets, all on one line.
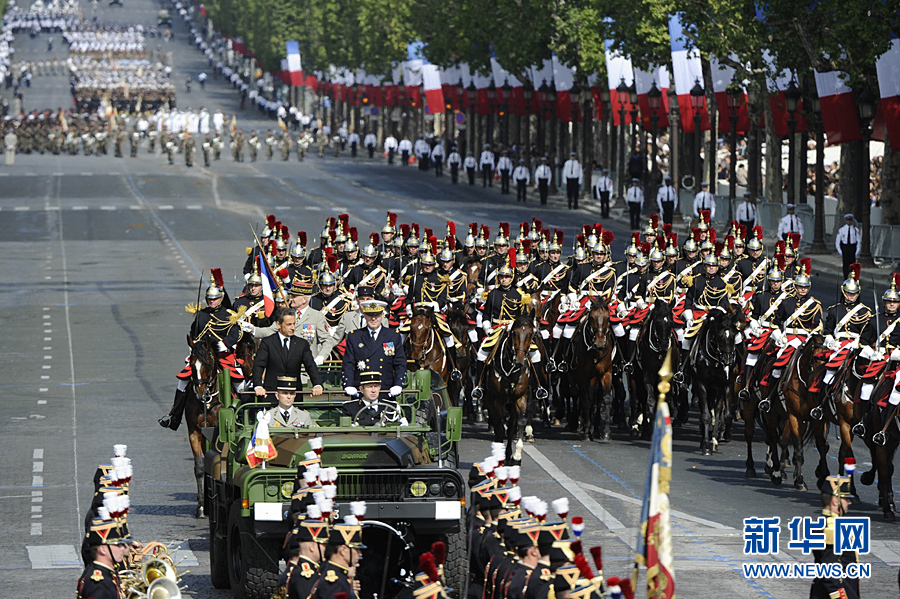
[(654, 542)]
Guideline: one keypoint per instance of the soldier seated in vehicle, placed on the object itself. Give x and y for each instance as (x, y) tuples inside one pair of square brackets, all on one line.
[(285, 414), (367, 409)]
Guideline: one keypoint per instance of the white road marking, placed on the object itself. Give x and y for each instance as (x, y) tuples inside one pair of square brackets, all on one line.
[(21, 208), (577, 492), (79, 207), (46, 557), (108, 208), (37, 481), (136, 207), (887, 551), (42, 402), (43, 390), (36, 509), (37, 466), (314, 208), (194, 207), (46, 367), (46, 316), (37, 529), (166, 207), (45, 377), (38, 454)]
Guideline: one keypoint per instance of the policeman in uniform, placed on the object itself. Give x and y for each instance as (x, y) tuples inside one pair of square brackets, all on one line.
[(836, 500), (471, 165), (342, 554), (486, 164), (521, 177), (374, 348), (212, 322), (634, 199), (667, 200), (846, 242), (505, 168), (454, 161), (602, 190)]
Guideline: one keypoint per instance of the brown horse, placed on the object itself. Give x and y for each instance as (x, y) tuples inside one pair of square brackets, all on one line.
[(593, 351), (460, 390), (509, 376), (791, 408), (473, 271), (245, 353), (882, 438), (424, 346), (201, 404)]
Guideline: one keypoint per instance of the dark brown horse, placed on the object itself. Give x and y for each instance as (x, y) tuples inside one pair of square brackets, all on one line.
[(245, 353), (882, 438), (653, 342), (202, 404), (473, 271), (461, 390), (424, 345), (593, 351), (509, 376)]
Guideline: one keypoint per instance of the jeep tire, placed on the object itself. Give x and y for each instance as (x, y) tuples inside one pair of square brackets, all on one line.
[(218, 556), (456, 568), (252, 564)]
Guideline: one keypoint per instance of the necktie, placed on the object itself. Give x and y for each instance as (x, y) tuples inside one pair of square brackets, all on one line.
[(287, 415), (374, 334), (286, 346)]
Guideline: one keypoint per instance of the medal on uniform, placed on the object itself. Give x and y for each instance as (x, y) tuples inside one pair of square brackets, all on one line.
[(331, 576), (389, 348), (361, 364)]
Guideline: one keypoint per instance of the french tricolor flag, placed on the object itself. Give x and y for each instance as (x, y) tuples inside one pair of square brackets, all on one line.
[(418, 71), (563, 77), (888, 68), (686, 71), (643, 82), (838, 108), (540, 75), (517, 95), (295, 69), (722, 77), (618, 67), (482, 83), (779, 107), (268, 284)]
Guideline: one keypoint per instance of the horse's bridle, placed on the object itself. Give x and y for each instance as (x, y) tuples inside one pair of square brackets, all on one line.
[(593, 344), (719, 353), (653, 348)]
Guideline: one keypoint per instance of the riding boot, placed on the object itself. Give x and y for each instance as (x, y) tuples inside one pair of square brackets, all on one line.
[(173, 419), (455, 373), (859, 429), (678, 377)]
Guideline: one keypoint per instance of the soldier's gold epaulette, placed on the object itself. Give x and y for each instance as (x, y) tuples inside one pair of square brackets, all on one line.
[(526, 298), (234, 317), (729, 288), (444, 279), (484, 296), (687, 281), (249, 251)]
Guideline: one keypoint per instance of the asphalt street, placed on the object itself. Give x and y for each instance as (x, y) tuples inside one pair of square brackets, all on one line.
[(100, 257)]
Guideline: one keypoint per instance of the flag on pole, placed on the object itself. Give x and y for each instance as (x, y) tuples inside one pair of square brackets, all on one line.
[(686, 72), (564, 78), (643, 82), (888, 68), (295, 68), (838, 108), (268, 283), (654, 542), (618, 69), (779, 83), (722, 79)]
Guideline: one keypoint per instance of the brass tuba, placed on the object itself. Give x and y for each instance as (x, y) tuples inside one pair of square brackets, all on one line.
[(152, 575)]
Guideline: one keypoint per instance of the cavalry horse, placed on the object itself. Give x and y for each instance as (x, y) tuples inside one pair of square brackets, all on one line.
[(509, 376), (593, 351), (202, 404), (882, 440), (424, 346), (654, 340), (712, 360), (787, 421), (461, 390)]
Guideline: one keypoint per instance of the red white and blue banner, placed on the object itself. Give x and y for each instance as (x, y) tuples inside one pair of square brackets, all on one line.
[(686, 72), (838, 108), (564, 78), (643, 82), (269, 287), (618, 69), (888, 68), (777, 85), (654, 542), (295, 68), (722, 78)]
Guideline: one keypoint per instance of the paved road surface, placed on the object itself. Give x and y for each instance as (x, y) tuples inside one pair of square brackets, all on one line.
[(100, 257)]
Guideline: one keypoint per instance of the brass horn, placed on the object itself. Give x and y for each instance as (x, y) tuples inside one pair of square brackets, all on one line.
[(163, 588), (155, 568)]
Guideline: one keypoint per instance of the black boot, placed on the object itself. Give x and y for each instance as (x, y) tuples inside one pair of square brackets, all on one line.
[(172, 420), (859, 429)]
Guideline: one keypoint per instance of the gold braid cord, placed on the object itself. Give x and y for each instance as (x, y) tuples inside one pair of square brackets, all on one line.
[(510, 308)]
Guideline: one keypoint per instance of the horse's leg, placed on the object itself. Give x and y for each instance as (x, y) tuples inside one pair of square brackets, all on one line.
[(846, 451), (885, 464), (649, 411), (820, 430), (798, 431), (748, 413), (586, 401), (702, 396), (605, 399), (196, 440)]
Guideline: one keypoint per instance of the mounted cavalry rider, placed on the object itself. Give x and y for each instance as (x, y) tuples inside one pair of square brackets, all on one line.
[(524, 280), (762, 318), (753, 267), (799, 316), (212, 322), (885, 356), (370, 272), (252, 300), (455, 278), (503, 305)]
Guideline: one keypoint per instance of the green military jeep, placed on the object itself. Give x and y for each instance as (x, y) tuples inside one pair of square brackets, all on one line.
[(407, 475)]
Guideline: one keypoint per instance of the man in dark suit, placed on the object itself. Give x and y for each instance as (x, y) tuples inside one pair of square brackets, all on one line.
[(374, 348), (283, 354)]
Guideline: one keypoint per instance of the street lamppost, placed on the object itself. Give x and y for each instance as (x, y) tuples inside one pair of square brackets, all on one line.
[(753, 162), (504, 93), (544, 98), (698, 97), (733, 98), (453, 130), (492, 102), (865, 104), (587, 140), (674, 144), (605, 117), (635, 126), (622, 94), (575, 96), (654, 99), (401, 99), (528, 94), (818, 244), (792, 102), (471, 94)]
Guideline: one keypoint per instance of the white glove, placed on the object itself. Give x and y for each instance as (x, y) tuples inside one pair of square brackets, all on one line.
[(641, 304), (486, 325), (247, 277), (351, 391), (247, 327), (688, 316), (222, 347), (621, 310), (395, 391), (320, 360), (753, 325), (573, 298), (829, 341), (895, 355), (396, 290), (866, 353), (404, 421), (780, 338)]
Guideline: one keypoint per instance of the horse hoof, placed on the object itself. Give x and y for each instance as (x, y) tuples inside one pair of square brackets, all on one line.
[(816, 413), (859, 429), (878, 439), (530, 439), (479, 418), (199, 512), (584, 436), (867, 478), (557, 422), (889, 516), (635, 432), (801, 486), (764, 406), (706, 451), (606, 437), (750, 473), (776, 479)]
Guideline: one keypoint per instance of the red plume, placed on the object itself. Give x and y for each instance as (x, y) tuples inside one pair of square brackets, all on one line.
[(597, 554), (636, 239), (439, 551), (624, 584), (779, 247), (695, 233), (758, 232), (426, 565), (392, 219), (661, 243), (432, 241), (729, 241), (537, 224), (301, 238), (511, 252), (270, 220), (645, 248), (586, 230), (856, 270), (608, 237), (795, 240), (526, 228), (719, 246), (283, 273), (333, 234), (473, 229), (404, 230), (505, 228), (712, 235), (486, 231), (451, 226), (806, 264), (285, 234), (332, 263), (743, 231), (329, 252), (354, 234), (375, 239), (272, 245), (345, 220), (560, 235), (217, 276), (576, 547), (546, 235), (896, 279), (654, 221), (340, 596), (580, 239), (673, 239), (450, 242), (526, 246), (428, 233), (667, 228), (415, 229), (583, 566), (276, 227), (779, 259), (598, 229), (705, 215), (332, 222)]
